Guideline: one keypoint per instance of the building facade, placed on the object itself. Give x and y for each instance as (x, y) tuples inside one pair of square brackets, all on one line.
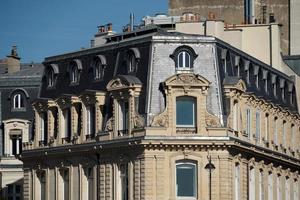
[(284, 12), (19, 86), (152, 114)]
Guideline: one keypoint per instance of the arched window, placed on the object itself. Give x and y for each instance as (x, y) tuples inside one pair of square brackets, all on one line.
[(75, 68), (74, 74), (185, 111), (98, 69), (50, 78), (99, 65), (184, 57), (18, 101), (186, 179), (184, 60)]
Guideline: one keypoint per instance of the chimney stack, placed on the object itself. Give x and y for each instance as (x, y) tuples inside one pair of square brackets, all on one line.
[(13, 61)]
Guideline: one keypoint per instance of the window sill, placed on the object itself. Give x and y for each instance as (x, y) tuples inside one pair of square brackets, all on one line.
[(18, 109), (184, 70), (74, 84), (51, 87)]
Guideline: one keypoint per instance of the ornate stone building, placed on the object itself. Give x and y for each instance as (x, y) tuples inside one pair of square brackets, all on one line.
[(19, 86), (157, 115)]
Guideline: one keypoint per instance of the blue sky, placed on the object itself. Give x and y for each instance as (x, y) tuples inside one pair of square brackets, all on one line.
[(42, 28)]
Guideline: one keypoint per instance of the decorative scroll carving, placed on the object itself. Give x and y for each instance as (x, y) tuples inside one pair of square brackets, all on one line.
[(109, 125), (212, 120), (187, 78), (138, 121), (161, 120)]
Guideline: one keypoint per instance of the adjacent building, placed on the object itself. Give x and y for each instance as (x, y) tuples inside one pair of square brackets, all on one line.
[(152, 114), (19, 86), (284, 12)]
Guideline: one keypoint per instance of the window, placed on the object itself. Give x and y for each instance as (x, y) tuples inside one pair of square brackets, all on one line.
[(284, 133), (43, 128), (275, 131), (184, 60), (123, 116), (18, 101), (41, 186), (67, 124), (257, 127), (99, 69), (248, 123), (14, 192), (16, 141), (270, 186), (185, 111), (237, 182), (74, 74), (287, 189), (131, 62), (252, 184), (90, 120), (293, 129), (64, 184), (184, 57), (235, 116), (88, 186), (186, 179), (296, 189), (122, 182), (261, 185), (249, 11), (278, 188), (267, 127), (50, 78)]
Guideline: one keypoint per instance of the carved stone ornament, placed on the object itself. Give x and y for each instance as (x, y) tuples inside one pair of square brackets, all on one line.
[(187, 78), (161, 120), (139, 121), (109, 125), (212, 120), (117, 83)]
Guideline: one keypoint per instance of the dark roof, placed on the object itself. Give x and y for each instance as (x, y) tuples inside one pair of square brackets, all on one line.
[(130, 79), (27, 70), (293, 62), (231, 80)]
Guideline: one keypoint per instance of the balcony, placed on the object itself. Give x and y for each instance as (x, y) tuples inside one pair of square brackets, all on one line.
[(122, 133)]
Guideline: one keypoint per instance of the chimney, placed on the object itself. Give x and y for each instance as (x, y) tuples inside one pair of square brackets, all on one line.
[(13, 61), (109, 27), (131, 22)]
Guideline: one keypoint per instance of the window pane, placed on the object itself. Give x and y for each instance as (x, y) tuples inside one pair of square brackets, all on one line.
[(180, 59), (186, 180), (185, 111), (187, 60)]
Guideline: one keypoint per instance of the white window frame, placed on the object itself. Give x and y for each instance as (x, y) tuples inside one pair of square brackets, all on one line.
[(17, 101), (194, 197), (185, 66), (74, 74), (50, 78)]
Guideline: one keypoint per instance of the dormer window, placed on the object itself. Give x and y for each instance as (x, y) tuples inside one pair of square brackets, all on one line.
[(132, 60), (99, 67), (50, 78), (184, 57), (51, 74), (74, 74), (75, 68)]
